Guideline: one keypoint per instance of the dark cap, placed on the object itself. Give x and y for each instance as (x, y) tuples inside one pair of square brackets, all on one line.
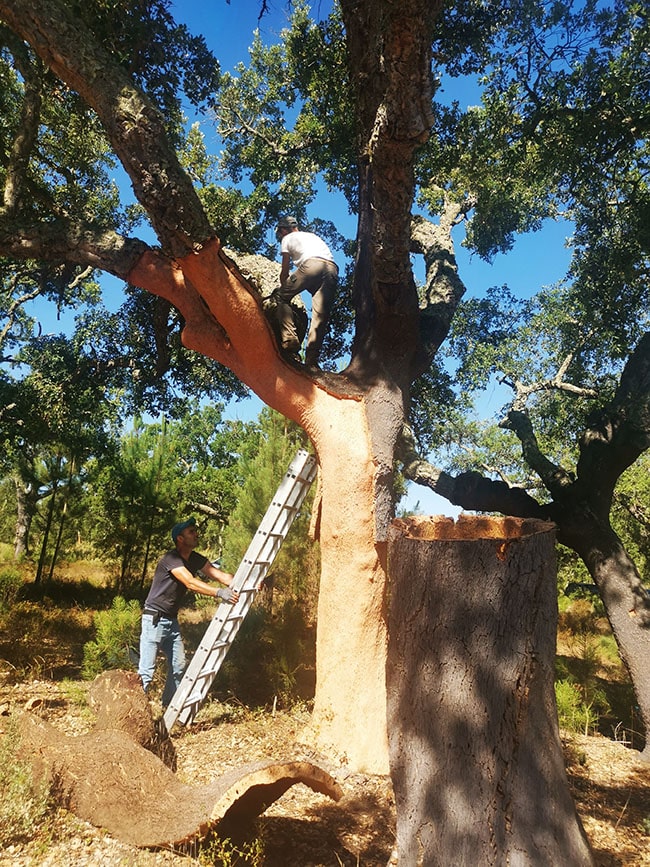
[(287, 223), (177, 529)]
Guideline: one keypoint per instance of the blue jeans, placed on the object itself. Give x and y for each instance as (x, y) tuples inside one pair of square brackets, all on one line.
[(165, 636)]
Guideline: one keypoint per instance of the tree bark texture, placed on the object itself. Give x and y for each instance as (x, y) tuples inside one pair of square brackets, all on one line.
[(117, 776), (474, 745), (627, 603), (23, 518)]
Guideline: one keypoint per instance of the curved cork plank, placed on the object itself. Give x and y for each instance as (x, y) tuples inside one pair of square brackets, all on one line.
[(116, 784)]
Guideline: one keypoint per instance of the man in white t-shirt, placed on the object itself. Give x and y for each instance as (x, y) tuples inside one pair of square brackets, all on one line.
[(315, 272)]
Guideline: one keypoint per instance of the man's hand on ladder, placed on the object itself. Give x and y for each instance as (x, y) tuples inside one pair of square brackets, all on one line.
[(227, 594)]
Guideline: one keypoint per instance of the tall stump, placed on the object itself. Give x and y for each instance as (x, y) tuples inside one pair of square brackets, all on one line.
[(475, 753)]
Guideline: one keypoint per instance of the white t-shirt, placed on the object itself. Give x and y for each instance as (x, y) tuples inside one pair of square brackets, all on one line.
[(305, 245)]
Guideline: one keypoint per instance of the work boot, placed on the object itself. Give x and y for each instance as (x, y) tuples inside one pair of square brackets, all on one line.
[(311, 360), (291, 355)]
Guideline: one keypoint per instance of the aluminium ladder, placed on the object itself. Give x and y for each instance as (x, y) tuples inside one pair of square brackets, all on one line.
[(252, 570)]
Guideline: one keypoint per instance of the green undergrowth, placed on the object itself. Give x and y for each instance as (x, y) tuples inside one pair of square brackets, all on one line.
[(24, 803), (592, 688)]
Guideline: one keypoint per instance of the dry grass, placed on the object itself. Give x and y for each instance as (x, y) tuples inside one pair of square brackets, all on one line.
[(610, 785), (42, 643)]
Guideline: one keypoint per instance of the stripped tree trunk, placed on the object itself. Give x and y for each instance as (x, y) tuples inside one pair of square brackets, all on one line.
[(474, 745)]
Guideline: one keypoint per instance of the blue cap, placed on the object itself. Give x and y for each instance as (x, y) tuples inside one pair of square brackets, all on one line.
[(177, 529)]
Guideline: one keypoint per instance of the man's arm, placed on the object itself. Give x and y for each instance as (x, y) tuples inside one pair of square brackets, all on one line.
[(197, 586), (217, 574), (284, 270)]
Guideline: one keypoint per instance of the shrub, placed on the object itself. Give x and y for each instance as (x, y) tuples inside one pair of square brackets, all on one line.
[(117, 631), (10, 583), (23, 803), (573, 713), (215, 850), (272, 658), (290, 655)]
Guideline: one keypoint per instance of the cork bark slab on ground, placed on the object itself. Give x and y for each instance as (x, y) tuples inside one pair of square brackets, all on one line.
[(114, 783), (110, 779)]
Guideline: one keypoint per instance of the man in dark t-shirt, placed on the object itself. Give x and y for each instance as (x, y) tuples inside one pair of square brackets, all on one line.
[(175, 574)]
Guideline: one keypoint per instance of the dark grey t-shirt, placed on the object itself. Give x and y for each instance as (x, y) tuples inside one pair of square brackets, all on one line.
[(167, 592)]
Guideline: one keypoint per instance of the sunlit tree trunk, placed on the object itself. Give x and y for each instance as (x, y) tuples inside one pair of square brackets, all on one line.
[(46, 533), (25, 504), (64, 512), (627, 604), (350, 704)]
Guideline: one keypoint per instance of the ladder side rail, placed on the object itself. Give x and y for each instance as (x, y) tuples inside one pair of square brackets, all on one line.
[(191, 672), (263, 547), (257, 550)]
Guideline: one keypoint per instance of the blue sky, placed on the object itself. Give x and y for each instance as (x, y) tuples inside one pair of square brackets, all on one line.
[(536, 260)]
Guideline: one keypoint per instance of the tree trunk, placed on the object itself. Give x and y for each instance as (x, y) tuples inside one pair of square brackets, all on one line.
[(46, 534), (24, 512), (627, 604), (583, 525), (349, 718), (474, 744), (64, 512)]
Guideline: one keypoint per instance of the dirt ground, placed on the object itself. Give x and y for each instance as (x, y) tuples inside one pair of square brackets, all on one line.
[(304, 829)]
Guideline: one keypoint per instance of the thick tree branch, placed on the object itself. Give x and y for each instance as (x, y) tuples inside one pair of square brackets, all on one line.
[(133, 124), (555, 478), (615, 438), (27, 129), (469, 490), (620, 432), (390, 72), (443, 289), (69, 241)]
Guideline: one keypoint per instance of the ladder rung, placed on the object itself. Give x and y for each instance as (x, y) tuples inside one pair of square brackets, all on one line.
[(210, 647), (205, 674)]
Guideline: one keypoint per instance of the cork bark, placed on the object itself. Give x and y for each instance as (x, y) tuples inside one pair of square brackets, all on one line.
[(475, 753)]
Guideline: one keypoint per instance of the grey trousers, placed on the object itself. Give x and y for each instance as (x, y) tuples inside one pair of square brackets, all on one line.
[(319, 277)]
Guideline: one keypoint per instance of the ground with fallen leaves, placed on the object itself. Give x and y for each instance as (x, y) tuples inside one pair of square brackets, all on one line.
[(303, 829)]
